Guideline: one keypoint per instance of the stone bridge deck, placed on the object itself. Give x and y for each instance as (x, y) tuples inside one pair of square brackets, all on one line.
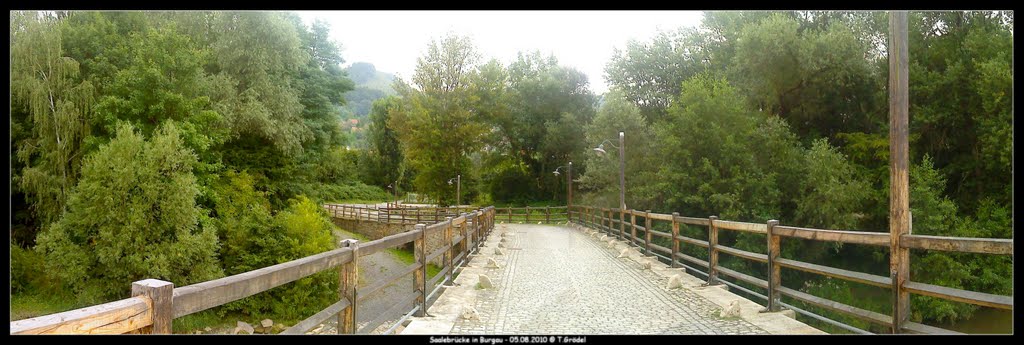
[(561, 280)]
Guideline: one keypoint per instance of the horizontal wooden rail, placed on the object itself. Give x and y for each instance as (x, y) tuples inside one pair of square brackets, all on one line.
[(659, 216), (201, 296), (743, 277), (926, 329), (693, 241), (825, 319), (742, 253), (959, 244), (859, 277), (367, 292), (387, 242), (661, 249), (858, 237), (397, 304), (116, 317), (693, 221), (440, 275), (978, 298), (692, 259), (741, 226), (661, 234), (866, 315), (305, 325)]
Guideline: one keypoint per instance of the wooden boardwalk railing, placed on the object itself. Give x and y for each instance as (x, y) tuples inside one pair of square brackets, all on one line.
[(429, 215), (614, 222), (154, 303)]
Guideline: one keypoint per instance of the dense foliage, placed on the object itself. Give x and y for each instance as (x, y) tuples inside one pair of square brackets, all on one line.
[(182, 146)]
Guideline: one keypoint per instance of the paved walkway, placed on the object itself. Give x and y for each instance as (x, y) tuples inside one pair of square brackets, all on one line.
[(556, 280)]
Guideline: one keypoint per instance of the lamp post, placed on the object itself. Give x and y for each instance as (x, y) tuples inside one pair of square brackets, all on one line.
[(458, 189), (394, 191), (622, 165), (569, 183)]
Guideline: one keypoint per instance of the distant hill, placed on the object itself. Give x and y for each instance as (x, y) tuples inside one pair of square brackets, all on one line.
[(370, 85), (366, 75)]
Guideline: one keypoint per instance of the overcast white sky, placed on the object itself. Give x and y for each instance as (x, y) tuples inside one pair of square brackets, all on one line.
[(392, 40)]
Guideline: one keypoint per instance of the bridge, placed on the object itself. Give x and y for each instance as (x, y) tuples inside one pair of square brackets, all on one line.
[(582, 270)]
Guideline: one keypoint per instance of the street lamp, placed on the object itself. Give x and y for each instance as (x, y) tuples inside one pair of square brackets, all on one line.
[(622, 165), (394, 190), (458, 189), (568, 177)]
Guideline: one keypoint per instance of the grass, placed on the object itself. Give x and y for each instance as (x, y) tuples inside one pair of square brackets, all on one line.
[(407, 257), (207, 318), (28, 305)]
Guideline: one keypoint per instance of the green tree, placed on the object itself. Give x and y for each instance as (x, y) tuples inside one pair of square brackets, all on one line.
[(383, 162), (651, 73), (133, 216), (961, 72), (439, 128), (46, 85), (817, 79), (832, 194), (601, 172)]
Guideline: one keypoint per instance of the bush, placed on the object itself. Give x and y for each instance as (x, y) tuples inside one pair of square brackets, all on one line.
[(133, 216), (299, 231), (28, 272)]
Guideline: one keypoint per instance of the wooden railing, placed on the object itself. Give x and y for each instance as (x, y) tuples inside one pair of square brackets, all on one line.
[(626, 225), (154, 303), (429, 215)]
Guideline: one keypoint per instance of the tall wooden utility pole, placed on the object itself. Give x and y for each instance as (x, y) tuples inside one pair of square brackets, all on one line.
[(899, 177)]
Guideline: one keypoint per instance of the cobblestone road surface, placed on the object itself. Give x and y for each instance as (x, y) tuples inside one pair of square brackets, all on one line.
[(556, 280)]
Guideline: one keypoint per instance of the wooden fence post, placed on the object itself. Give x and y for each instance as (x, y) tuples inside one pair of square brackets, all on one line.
[(547, 214), (161, 293), (712, 251), (632, 225), (464, 246), (675, 238), (479, 228), (527, 214), (349, 286), (622, 224), (647, 232), (420, 276), (606, 220), (510, 214), (774, 270), (448, 255)]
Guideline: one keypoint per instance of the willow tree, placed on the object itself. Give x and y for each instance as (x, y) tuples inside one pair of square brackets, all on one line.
[(46, 85)]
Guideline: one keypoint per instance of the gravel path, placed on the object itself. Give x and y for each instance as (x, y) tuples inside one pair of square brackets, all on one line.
[(372, 269)]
